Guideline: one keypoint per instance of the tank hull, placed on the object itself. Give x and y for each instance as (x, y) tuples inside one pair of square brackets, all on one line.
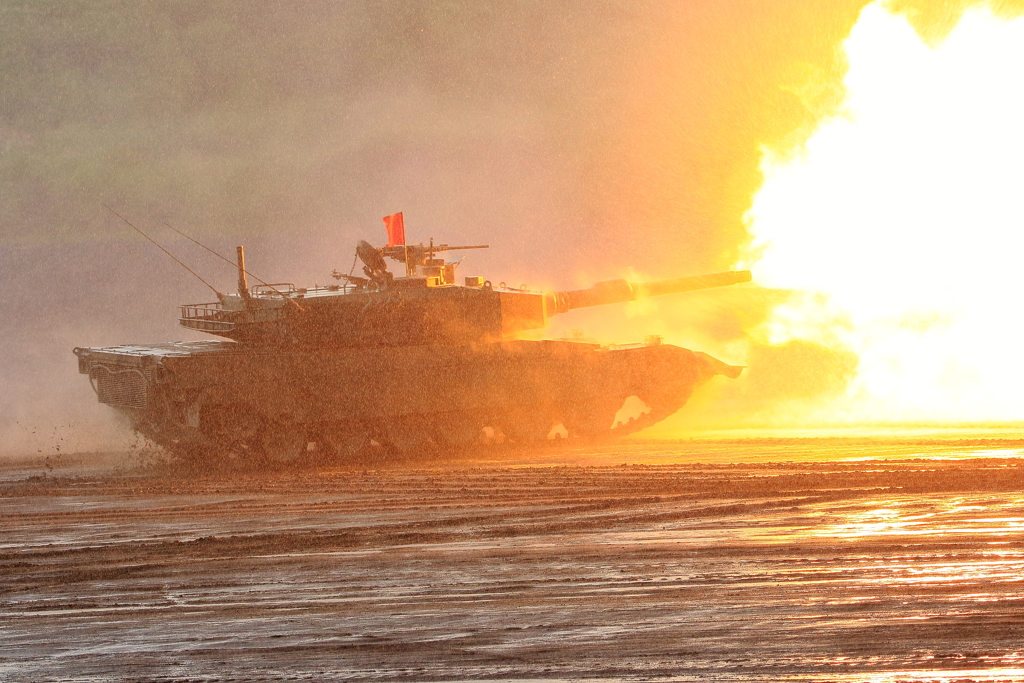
[(222, 399)]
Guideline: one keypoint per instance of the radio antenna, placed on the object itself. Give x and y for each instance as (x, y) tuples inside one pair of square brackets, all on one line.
[(176, 259), (225, 258)]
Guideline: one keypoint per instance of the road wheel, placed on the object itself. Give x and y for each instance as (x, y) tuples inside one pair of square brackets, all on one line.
[(408, 434), (528, 424), (456, 430), (343, 442), (282, 443), (592, 418)]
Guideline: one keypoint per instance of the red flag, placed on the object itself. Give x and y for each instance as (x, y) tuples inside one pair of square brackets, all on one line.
[(395, 225)]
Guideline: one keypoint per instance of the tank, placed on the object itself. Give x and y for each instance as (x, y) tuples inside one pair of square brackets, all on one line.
[(407, 363)]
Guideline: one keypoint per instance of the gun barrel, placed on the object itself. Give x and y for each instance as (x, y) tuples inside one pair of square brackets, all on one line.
[(689, 284), (445, 247), (618, 291)]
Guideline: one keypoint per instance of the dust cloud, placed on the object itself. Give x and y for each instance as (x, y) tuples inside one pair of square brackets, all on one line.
[(580, 141)]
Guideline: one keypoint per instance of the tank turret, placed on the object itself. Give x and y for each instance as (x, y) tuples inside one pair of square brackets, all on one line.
[(425, 305)]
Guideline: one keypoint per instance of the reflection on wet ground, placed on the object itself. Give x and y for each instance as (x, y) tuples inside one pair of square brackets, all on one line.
[(747, 568)]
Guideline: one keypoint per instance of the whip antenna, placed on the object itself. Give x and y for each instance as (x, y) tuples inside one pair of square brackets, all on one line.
[(221, 257), (225, 258), (178, 261)]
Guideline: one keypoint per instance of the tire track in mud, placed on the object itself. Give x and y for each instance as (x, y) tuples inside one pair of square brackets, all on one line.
[(764, 570)]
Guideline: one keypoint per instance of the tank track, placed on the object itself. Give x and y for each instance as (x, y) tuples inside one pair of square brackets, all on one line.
[(211, 401), (268, 443)]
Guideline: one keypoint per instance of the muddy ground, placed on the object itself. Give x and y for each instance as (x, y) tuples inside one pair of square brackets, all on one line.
[(799, 559)]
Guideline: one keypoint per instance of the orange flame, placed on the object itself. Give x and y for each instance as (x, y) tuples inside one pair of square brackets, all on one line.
[(900, 224)]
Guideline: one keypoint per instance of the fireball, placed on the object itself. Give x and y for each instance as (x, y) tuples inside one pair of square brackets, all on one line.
[(898, 225)]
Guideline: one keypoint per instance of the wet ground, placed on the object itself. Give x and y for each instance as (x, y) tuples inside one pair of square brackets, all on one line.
[(779, 559)]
